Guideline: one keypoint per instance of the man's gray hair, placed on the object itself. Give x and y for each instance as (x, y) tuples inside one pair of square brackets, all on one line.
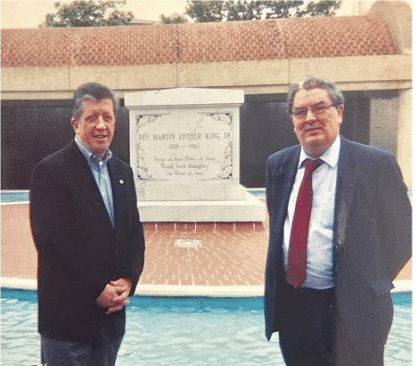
[(314, 83), (92, 91)]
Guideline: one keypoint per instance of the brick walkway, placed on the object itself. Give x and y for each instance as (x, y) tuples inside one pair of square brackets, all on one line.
[(205, 254)]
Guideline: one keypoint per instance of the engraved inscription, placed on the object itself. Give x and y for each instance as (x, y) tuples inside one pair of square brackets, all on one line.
[(180, 146)]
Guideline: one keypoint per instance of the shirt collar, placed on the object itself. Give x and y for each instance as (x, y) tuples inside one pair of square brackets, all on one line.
[(89, 154), (330, 156)]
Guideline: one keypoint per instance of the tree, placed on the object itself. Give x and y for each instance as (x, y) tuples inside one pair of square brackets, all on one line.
[(233, 10), (205, 11), (88, 14), (173, 19)]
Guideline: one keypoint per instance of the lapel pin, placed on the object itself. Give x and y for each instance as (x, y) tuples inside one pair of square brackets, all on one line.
[(121, 181)]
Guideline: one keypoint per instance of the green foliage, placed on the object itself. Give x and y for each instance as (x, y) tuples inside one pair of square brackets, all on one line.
[(242, 10), (88, 14), (205, 11), (173, 19), (233, 10), (320, 8)]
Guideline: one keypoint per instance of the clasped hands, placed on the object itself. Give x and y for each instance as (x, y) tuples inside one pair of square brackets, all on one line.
[(115, 295)]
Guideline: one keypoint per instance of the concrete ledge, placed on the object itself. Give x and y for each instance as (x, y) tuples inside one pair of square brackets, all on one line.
[(200, 291), (18, 283), (179, 290), (402, 286), (254, 77)]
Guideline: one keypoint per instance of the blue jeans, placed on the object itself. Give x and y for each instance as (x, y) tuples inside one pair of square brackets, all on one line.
[(65, 353)]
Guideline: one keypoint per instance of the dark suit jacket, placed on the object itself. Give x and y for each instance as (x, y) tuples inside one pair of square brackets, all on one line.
[(79, 251), (372, 238)]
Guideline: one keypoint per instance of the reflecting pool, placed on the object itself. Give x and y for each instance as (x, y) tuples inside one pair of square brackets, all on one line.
[(177, 331)]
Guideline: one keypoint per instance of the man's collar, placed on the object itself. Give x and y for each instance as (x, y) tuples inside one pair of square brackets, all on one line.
[(329, 156), (89, 154)]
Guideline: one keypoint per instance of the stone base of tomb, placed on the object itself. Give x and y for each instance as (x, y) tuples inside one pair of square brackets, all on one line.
[(241, 206)]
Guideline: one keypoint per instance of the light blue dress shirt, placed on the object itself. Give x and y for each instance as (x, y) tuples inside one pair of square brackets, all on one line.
[(319, 272), (101, 176)]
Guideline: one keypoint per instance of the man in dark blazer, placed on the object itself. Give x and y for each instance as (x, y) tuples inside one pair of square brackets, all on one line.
[(358, 238), (89, 238)]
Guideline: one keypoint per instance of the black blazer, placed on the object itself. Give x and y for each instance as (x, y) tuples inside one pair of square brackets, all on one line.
[(79, 251), (372, 237)]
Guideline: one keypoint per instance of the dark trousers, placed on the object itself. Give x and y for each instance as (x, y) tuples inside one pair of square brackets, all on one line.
[(308, 325), (65, 353)]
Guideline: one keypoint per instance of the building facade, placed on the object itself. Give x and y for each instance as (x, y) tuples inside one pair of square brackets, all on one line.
[(369, 57)]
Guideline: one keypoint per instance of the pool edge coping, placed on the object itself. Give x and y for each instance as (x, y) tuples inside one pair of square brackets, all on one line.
[(183, 290)]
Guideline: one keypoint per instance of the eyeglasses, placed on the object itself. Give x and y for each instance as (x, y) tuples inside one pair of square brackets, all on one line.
[(317, 110)]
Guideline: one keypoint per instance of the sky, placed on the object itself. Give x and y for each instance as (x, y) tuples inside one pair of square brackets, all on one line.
[(30, 14)]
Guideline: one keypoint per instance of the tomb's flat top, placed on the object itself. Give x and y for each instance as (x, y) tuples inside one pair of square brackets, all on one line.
[(184, 97)]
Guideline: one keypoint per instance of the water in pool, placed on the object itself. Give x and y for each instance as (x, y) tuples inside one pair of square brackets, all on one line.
[(184, 331)]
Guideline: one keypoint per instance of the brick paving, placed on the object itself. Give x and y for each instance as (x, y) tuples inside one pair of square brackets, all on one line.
[(228, 255), (219, 254)]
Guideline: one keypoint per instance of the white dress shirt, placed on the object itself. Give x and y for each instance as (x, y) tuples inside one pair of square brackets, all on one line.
[(101, 176), (319, 273)]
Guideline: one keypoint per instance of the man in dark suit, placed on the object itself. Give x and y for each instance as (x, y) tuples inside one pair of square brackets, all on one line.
[(340, 231), (89, 238)]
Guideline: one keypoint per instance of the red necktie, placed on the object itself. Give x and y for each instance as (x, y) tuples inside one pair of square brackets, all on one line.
[(296, 268)]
